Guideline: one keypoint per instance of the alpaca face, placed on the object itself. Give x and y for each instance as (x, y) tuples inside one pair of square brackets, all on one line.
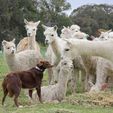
[(75, 28), (68, 51), (65, 33), (50, 34), (66, 64), (9, 47), (104, 36), (31, 27)]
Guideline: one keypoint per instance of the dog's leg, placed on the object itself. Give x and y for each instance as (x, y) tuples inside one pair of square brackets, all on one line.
[(5, 94), (38, 89), (30, 93), (16, 100)]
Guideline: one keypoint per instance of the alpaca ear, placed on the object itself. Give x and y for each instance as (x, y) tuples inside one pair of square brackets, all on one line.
[(13, 40), (64, 27), (55, 27), (109, 30), (25, 21), (37, 23), (45, 27), (4, 42)]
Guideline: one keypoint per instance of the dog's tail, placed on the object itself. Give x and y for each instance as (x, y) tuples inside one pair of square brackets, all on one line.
[(6, 88)]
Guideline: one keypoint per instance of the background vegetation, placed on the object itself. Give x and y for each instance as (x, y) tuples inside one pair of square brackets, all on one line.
[(50, 12)]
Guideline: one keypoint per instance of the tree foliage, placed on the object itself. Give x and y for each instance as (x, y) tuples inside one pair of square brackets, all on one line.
[(93, 17)]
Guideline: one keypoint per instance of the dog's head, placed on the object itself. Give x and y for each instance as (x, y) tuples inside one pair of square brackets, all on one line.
[(44, 64)]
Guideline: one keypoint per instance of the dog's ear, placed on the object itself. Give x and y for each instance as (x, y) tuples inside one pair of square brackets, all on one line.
[(41, 63)]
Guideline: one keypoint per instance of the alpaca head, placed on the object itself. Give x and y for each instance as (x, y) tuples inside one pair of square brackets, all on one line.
[(31, 27), (9, 47), (75, 28), (68, 50), (65, 32), (50, 34), (105, 35), (66, 65)]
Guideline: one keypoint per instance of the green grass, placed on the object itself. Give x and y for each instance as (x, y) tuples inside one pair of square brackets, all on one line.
[(64, 107)]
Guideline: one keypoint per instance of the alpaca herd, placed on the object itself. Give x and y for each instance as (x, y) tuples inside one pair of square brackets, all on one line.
[(69, 55)]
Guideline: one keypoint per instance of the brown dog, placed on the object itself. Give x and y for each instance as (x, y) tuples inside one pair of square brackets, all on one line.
[(30, 79)]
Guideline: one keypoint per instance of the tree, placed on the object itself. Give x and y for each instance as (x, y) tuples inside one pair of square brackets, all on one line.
[(93, 17)]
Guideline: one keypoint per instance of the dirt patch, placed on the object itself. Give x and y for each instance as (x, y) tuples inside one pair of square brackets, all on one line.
[(91, 99)]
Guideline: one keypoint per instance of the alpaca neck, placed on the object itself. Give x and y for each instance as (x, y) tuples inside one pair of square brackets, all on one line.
[(56, 46), (62, 82), (10, 59), (31, 42)]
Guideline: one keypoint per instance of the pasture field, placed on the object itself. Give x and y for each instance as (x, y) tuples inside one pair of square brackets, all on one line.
[(77, 103)]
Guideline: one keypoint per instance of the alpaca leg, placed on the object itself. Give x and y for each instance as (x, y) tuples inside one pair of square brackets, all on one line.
[(83, 78), (101, 76), (91, 81), (74, 79), (50, 75), (5, 94)]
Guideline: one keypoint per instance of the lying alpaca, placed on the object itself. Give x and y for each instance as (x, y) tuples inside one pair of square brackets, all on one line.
[(58, 91), (30, 41), (29, 79), (19, 61)]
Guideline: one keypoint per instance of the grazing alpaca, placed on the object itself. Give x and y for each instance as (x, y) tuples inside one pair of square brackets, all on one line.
[(29, 79), (58, 91), (19, 61), (30, 41)]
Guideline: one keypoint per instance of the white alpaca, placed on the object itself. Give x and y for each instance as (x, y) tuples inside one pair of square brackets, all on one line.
[(104, 69), (93, 65), (53, 53), (75, 47), (57, 92), (70, 33), (30, 41), (74, 28), (66, 33), (19, 61), (106, 35)]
